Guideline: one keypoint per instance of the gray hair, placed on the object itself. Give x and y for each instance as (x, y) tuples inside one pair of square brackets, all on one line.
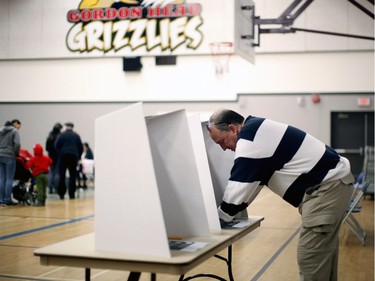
[(222, 118)]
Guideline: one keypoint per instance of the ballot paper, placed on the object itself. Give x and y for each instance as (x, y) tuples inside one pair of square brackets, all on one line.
[(187, 246), (236, 224)]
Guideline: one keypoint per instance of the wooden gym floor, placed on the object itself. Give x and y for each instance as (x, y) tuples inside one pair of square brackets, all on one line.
[(267, 254)]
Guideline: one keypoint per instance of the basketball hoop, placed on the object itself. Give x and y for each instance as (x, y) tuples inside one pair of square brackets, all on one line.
[(221, 54)]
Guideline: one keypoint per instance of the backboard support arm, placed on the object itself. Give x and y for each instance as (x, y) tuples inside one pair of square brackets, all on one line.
[(362, 8), (287, 18)]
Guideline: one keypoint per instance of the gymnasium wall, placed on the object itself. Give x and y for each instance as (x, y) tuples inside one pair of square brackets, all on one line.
[(296, 109), (37, 66), (41, 88)]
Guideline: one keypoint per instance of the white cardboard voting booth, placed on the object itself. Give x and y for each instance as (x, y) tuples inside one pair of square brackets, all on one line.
[(220, 163), (147, 186), (204, 172)]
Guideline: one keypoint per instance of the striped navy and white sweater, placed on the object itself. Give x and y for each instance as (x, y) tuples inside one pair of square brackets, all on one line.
[(282, 157)]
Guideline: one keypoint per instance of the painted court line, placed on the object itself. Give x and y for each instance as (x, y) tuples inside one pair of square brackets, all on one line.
[(51, 272), (275, 255), (28, 278), (44, 227)]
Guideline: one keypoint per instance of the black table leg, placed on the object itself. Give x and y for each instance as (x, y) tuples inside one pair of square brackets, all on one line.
[(229, 263), (87, 274), (227, 260), (134, 276)]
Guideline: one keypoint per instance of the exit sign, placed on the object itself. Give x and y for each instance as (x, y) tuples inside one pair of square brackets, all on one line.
[(363, 101)]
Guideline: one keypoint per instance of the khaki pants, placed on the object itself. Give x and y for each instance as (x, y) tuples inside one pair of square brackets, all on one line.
[(322, 212)]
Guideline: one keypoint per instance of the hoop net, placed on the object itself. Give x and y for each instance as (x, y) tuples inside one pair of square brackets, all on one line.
[(221, 54)]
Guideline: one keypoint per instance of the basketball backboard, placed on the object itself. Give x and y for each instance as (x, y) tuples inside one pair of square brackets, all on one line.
[(244, 29)]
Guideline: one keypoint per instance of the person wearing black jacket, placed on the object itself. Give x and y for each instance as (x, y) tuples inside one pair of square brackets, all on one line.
[(69, 149), (53, 176)]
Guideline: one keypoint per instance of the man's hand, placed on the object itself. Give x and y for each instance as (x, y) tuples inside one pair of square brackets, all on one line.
[(224, 224)]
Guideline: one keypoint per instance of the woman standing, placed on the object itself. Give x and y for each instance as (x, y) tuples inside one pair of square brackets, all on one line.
[(53, 176), (89, 155)]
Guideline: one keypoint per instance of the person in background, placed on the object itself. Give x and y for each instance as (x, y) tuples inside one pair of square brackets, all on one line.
[(302, 170), (39, 165), (16, 124), (53, 176), (9, 149), (87, 154), (69, 150)]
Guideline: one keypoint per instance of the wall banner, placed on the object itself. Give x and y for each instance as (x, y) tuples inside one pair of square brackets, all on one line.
[(106, 26), (37, 29)]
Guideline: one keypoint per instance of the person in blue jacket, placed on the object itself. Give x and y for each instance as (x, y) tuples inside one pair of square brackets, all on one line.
[(299, 168)]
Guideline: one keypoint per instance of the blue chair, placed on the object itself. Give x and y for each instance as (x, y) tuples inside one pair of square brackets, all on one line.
[(349, 219)]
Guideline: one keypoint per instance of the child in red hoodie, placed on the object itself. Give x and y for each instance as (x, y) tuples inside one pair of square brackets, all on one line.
[(39, 165)]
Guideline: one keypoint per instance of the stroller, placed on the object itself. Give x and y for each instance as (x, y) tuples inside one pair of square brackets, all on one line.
[(23, 182)]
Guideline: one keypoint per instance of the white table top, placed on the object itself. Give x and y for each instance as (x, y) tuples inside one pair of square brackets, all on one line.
[(81, 252)]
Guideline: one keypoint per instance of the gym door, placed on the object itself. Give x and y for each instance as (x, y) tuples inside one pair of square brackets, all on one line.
[(350, 133)]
